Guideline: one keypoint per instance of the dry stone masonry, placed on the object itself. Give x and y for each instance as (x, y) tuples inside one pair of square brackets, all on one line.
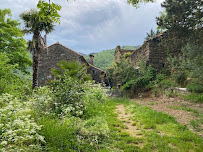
[(152, 52), (53, 54)]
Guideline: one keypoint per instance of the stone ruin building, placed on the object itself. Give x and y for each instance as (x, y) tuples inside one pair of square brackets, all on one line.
[(56, 52), (152, 52)]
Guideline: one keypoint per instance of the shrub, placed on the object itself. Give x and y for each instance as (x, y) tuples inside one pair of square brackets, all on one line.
[(69, 88), (94, 100), (180, 77), (18, 130), (69, 94), (42, 101), (189, 62), (167, 84), (140, 81), (194, 87), (11, 82)]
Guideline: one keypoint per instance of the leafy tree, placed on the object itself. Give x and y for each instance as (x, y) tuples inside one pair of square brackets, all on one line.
[(33, 24), (183, 17), (12, 41), (10, 82), (190, 62), (121, 72), (49, 11)]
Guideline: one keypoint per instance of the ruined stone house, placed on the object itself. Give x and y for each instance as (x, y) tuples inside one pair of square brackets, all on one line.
[(56, 52), (121, 53), (152, 52)]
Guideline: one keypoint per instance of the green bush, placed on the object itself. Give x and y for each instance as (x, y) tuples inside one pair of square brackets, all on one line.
[(18, 130), (167, 84), (69, 94), (69, 88), (179, 76), (42, 101), (189, 62), (140, 81), (11, 82), (194, 87)]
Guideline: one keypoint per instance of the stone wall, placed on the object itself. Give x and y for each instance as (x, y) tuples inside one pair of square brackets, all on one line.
[(140, 54), (97, 74), (153, 52), (49, 59), (120, 53), (57, 52), (157, 54)]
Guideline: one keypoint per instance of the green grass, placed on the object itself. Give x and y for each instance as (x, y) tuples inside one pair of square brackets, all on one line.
[(152, 103), (160, 132), (196, 123), (195, 97), (163, 132), (195, 112)]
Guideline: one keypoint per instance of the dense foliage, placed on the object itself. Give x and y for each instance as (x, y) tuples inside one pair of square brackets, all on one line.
[(183, 21), (74, 114), (12, 41), (121, 72), (11, 82), (181, 16), (188, 64), (18, 130)]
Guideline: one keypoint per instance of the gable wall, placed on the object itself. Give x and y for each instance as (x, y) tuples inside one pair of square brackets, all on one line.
[(49, 59)]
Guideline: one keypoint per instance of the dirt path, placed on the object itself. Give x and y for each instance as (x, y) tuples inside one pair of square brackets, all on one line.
[(126, 118)]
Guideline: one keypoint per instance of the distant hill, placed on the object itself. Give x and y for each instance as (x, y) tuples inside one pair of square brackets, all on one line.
[(105, 58)]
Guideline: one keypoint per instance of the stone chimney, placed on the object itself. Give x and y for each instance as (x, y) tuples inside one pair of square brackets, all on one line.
[(91, 59), (118, 47)]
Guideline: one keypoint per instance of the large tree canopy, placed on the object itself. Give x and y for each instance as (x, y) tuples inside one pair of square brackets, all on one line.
[(181, 15), (12, 41)]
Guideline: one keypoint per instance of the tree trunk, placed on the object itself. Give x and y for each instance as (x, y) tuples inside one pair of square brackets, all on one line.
[(36, 55)]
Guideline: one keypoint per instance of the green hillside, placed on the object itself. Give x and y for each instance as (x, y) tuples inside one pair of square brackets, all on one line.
[(105, 58)]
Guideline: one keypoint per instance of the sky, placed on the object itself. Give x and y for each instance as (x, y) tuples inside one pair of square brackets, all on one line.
[(89, 26)]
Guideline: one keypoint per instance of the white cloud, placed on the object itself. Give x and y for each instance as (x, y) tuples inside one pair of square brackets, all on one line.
[(94, 25)]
